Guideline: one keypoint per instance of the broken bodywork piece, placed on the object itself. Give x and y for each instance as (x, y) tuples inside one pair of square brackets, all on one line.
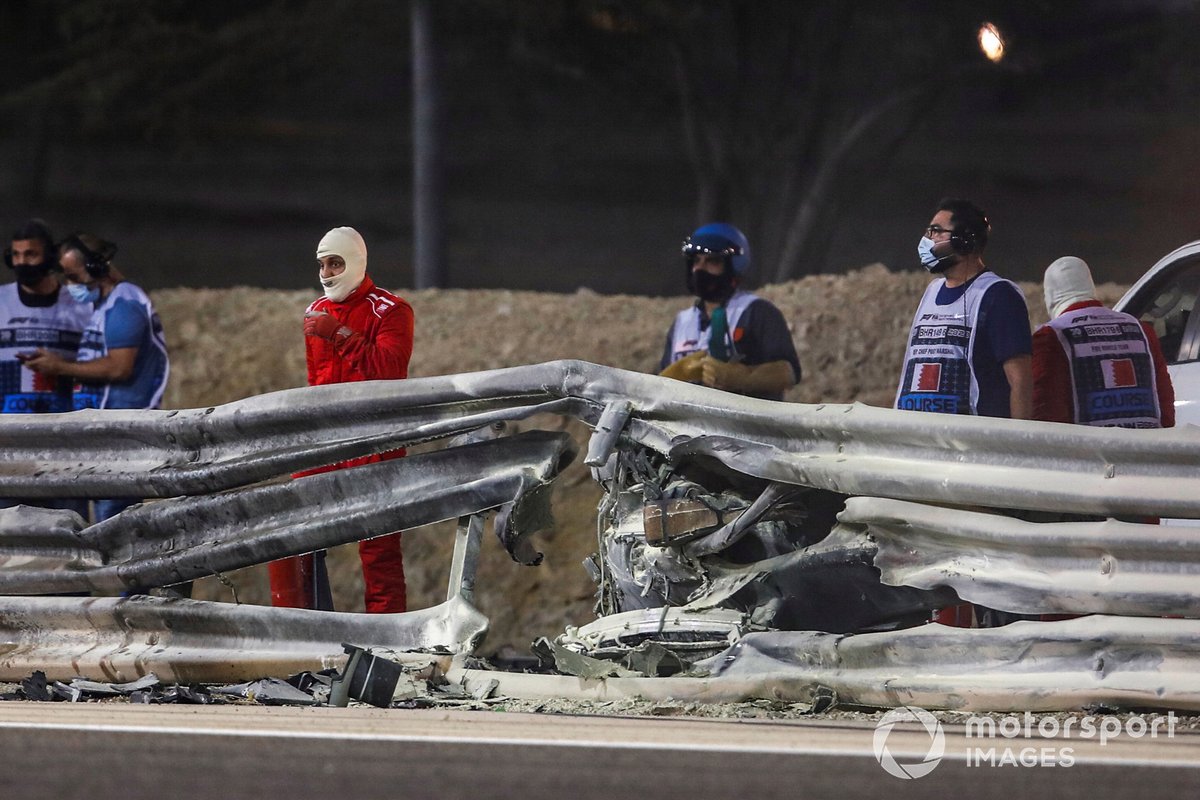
[(168, 542), (753, 547)]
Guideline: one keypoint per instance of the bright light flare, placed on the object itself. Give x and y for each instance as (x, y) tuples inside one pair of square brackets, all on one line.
[(991, 42)]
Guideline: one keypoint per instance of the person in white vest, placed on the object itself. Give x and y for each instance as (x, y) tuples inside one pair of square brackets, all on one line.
[(36, 312), (1095, 366), (729, 338), (969, 348), (122, 360)]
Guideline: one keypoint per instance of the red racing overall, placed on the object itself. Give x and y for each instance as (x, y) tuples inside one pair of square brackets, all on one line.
[(378, 348)]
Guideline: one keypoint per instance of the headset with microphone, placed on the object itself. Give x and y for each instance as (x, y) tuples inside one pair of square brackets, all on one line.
[(96, 263)]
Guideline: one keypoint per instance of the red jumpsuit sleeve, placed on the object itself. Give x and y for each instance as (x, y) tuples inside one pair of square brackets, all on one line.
[(384, 356), (1162, 378), (1053, 400)]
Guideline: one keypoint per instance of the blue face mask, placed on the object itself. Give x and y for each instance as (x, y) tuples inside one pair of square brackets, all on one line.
[(82, 294), (930, 261)]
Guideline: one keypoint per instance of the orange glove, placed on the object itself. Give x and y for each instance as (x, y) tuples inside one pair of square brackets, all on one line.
[(686, 368)]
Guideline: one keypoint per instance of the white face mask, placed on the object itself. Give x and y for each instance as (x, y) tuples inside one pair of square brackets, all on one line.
[(339, 287), (83, 294), (931, 262)]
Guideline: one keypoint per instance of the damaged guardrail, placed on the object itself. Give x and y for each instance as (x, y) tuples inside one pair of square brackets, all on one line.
[(178, 540), (1101, 567), (194, 641), (850, 449), (717, 506)]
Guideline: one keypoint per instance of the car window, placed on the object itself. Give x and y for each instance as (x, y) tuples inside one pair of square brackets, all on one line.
[(1167, 304)]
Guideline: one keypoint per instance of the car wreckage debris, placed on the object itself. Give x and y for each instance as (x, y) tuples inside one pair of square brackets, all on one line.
[(740, 543)]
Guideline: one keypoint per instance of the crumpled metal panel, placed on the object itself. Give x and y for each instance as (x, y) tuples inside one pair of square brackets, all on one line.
[(1106, 567), (849, 449), (172, 541), (1026, 666), (192, 641), (1114, 662)]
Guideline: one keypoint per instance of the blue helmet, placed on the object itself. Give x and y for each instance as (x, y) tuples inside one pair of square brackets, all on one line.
[(719, 238)]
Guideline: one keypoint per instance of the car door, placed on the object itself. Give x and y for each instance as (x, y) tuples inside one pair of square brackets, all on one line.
[(1165, 297)]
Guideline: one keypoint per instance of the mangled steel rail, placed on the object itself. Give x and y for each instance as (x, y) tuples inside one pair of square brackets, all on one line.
[(850, 449), (172, 541), (1026, 666), (1034, 666), (1105, 567), (192, 641)]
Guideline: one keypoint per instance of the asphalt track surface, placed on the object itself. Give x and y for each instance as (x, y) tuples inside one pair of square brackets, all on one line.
[(99, 751)]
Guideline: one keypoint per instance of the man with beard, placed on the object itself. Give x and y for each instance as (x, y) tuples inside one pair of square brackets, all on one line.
[(729, 338), (969, 351), (37, 312)]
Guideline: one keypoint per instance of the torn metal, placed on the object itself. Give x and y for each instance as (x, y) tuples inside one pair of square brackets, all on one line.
[(168, 542), (192, 641), (1101, 567), (1117, 662)]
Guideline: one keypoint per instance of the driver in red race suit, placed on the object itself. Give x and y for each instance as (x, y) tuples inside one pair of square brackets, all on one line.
[(1095, 366), (356, 332)]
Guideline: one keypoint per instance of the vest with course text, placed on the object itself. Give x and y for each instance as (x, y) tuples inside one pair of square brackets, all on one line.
[(938, 374), (1112, 371)]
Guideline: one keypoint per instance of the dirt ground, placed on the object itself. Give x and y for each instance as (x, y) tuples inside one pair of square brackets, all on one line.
[(229, 344)]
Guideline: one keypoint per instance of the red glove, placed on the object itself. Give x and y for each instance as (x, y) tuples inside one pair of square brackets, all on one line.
[(324, 326)]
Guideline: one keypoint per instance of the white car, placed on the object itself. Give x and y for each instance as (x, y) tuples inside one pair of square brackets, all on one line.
[(1165, 297)]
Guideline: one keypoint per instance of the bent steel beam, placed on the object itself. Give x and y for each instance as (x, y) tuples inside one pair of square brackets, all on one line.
[(159, 544), (849, 449), (192, 641), (1116, 662), (1119, 662), (1106, 567)]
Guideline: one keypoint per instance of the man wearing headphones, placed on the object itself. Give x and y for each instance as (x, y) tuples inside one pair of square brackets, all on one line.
[(969, 350), (122, 361), (36, 312), (729, 338)]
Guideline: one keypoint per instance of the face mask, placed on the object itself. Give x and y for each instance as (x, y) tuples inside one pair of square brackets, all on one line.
[(83, 294), (931, 262), (339, 287), (31, 274), (710, 288)]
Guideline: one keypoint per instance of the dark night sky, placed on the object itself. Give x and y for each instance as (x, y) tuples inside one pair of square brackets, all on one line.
[(557, 182)]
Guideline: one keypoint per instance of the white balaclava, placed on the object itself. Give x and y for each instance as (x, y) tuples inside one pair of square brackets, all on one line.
[(347, 243), (1068, 281)]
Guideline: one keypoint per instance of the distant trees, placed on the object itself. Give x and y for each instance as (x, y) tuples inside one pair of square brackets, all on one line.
[(786, 107)]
